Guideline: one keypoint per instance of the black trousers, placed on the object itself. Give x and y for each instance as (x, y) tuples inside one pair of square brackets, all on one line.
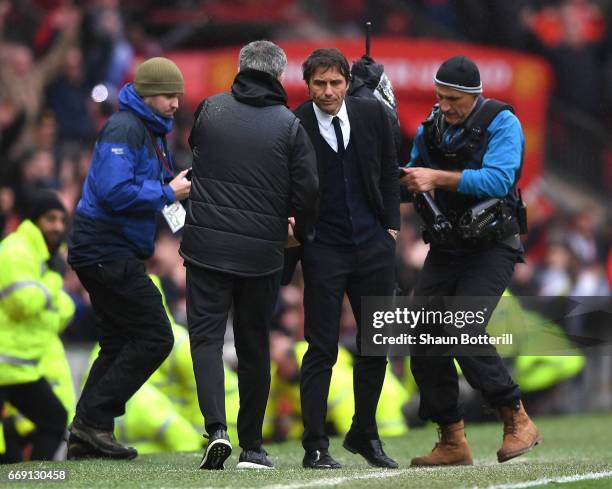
[(328, 275), (37, 402), (134, 334), (209, 298), (483, 273)]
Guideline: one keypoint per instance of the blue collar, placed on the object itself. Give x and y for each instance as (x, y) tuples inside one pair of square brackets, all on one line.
[(130, 100)]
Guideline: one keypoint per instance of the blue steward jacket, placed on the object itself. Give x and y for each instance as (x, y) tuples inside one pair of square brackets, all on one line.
[(125, 186)]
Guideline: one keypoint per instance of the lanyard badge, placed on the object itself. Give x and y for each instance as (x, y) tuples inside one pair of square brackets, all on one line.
[(175, 216)]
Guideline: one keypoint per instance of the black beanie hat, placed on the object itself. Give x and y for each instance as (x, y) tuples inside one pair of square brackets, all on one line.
[(41, 201), (460, 73)]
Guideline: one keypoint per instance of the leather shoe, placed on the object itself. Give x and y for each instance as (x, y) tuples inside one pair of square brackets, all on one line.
[(80, 450), (371, 450), (103, 442), (319, 459)]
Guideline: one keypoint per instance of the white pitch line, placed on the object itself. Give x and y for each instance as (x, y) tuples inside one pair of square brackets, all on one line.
[(327, 481), (332, 481), (555, 480)]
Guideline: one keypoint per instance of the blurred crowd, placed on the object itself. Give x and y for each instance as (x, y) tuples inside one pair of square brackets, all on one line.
[(63, 61)]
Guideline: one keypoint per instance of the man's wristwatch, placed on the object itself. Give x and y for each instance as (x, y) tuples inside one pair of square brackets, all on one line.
[(393, 233)]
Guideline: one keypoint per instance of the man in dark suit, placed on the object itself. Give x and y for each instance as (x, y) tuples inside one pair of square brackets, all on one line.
[(353, 250)]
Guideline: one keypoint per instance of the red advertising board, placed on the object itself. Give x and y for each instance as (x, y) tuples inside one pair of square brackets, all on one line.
[(522, 80)]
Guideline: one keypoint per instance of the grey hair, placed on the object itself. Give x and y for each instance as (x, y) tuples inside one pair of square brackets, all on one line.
[(263, 56)]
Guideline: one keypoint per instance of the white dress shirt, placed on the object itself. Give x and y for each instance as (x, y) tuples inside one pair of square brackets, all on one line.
[(327, 129)]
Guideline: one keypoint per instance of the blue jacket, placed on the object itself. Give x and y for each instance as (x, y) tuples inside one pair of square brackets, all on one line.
[(501, 160), (124, 189)]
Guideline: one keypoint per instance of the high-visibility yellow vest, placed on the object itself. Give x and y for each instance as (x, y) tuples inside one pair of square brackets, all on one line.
[(152, 424), (55, 368), (175, 378), (341, 401), (33, 306)]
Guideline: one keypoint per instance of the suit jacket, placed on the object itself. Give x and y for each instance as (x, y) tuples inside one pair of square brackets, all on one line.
[(372, 138)]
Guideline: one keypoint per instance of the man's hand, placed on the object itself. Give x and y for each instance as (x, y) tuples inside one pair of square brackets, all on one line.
[(419, 179), (291, 241), (425, 179), (181, 186)]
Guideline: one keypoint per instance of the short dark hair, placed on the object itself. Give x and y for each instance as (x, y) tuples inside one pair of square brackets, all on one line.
[(326, 58)]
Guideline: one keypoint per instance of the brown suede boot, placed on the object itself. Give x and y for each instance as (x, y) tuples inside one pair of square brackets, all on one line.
[(452, 449), (520, 433)]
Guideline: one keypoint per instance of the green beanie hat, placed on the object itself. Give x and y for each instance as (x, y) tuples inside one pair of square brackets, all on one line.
[(157, 76)]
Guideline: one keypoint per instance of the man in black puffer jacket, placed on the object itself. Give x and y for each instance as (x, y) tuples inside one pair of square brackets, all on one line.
[(254, 167)]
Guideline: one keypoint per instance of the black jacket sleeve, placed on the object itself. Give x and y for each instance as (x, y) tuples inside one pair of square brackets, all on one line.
[(389, 185), (304, 184)]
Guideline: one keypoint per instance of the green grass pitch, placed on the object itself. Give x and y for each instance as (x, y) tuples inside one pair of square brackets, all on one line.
[(576, 453)]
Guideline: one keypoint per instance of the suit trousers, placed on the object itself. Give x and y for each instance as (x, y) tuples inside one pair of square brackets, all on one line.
[(210, 295), (485, 274), (134, 334), (329, 273)]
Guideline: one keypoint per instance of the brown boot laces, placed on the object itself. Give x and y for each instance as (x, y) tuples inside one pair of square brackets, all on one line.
[(442, 439)]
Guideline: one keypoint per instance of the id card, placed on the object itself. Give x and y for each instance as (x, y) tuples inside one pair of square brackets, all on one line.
[(175, 216)]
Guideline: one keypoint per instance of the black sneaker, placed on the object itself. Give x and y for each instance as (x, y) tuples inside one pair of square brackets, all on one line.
[(217, 451), (254, 459), (371, 450), (319, 459), (103, 442)]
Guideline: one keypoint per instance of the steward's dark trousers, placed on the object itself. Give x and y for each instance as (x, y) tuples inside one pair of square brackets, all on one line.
[(328, 274), (134, 334), (37, 402), (209, 299), (482, 273)]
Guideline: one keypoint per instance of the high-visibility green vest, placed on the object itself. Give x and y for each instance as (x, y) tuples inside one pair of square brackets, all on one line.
[(152, 424), (164, 414), (33, 306), (2, 440), (341, 400), (175, 378), (55, 368), (535, 373)]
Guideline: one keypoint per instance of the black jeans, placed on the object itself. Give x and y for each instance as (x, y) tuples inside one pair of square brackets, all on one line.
[(209, 298), (134, 333), (37, 402), (328, 275), (483, 273)]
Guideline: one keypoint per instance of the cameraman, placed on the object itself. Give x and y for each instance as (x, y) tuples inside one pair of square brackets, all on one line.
[(469, 149)]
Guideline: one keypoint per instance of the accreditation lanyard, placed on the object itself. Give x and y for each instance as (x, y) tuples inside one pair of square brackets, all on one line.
[(161, 155)]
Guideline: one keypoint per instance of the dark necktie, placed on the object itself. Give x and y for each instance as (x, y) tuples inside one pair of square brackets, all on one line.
[(339, 138)]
